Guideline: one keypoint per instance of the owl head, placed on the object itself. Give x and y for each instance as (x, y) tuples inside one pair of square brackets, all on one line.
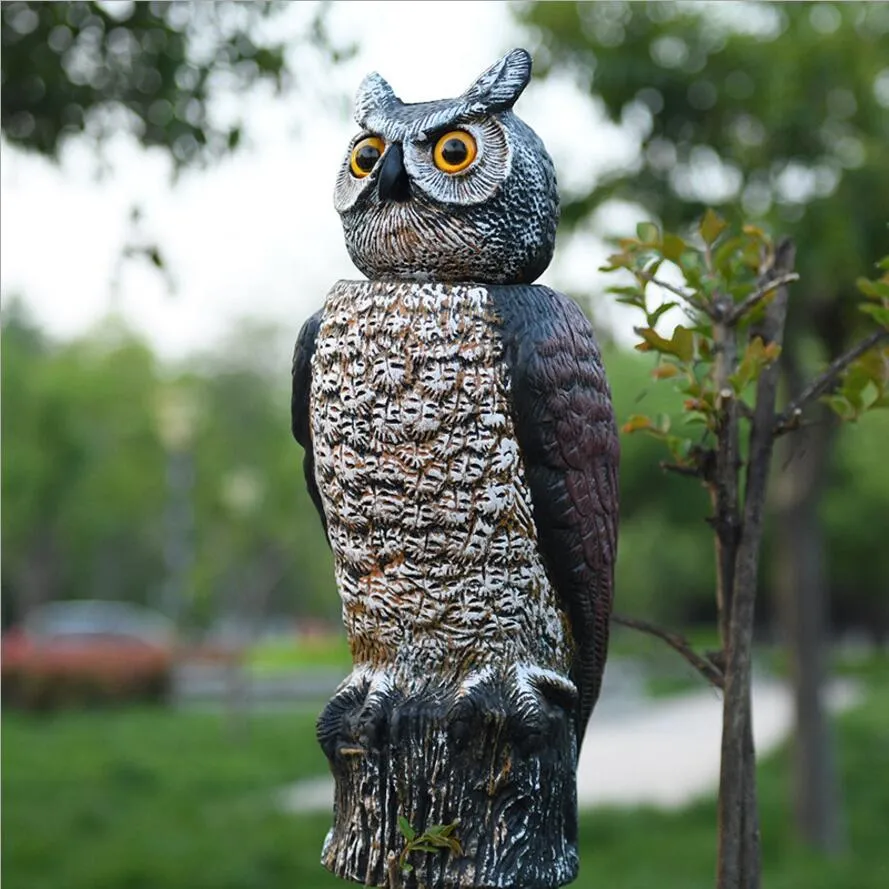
[(454, 190)]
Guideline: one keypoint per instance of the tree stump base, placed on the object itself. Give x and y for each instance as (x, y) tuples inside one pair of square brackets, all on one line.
[(499, 760)]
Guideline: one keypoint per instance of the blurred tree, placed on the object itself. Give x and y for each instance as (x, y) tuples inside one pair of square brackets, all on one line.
[(151, 68), (83, 477), (261, 541), (774, 112), (82, 468)]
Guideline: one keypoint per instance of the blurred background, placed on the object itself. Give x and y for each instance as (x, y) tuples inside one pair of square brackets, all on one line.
[(170, 623)]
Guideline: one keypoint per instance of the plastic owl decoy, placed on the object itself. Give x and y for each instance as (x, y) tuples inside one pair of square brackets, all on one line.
[(461, 449)]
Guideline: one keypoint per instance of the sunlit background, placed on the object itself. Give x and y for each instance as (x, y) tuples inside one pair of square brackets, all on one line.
[(167, 225)]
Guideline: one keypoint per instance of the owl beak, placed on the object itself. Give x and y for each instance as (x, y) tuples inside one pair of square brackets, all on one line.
[(392, 182)]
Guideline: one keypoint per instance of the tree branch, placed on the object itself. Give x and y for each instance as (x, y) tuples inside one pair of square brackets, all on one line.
[(709, 670), (789, 418), (682, 294), (736, 313), (679, 469)]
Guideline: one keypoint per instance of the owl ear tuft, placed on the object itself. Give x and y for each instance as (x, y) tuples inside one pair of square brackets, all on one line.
[(498, 88), (374, 94)]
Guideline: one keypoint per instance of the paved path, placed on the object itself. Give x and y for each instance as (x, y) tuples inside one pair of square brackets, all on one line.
[(667, 754), (662, 752)]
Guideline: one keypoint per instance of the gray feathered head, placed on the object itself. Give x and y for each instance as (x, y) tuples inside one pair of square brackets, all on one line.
[(450, 190)]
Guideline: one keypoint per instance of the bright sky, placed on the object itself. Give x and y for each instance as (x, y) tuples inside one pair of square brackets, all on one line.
[(257, 235)]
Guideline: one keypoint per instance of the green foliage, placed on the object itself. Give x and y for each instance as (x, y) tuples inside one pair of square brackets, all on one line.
[(436, 838), (854, 517), (775, 113), (85, 484), (76, 434), (166, 800), (865, 383), (153, 68), (724, 295)]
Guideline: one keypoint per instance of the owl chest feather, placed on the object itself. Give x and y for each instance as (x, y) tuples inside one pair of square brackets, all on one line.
[(428, 511)]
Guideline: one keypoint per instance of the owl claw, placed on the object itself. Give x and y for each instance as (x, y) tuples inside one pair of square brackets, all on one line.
[(541, 700), (356, 719)]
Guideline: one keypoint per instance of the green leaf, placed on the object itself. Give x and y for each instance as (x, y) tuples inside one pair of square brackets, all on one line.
[(683, 343), (692, 267), (868, 396), (757, 356), (653, 341), (696, 418), (880, 314), (673, 247), (628, 290), (711, 226), (405, 827), (725, 253), (841, 406), (654, 317), (679, 447), (617, 261), (442, 830), (637, 422), (648, 233), (873, 289)]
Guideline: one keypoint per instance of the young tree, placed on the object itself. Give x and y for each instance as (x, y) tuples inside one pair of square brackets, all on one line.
[(776, 112), (726, 364)]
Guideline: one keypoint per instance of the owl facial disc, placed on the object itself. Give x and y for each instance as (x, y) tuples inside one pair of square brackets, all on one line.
[(452, 190)]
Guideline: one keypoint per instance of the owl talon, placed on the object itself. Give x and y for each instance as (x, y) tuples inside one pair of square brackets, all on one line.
[(356, 718), (542, 701), (369, 725), (411, 719), (478, 705)]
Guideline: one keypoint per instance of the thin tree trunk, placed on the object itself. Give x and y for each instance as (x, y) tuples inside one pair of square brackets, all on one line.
[(739, 859), (803, 608)]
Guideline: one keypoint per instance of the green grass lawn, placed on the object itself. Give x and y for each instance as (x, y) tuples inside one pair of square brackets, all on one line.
[(328, 652), (164, 800)]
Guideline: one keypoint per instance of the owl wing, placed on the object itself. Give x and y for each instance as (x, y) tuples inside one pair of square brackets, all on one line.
[(300, 423), (567, 436)]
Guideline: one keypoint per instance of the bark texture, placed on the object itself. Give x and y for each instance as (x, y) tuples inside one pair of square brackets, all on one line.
[(739, 855), (503, 770)]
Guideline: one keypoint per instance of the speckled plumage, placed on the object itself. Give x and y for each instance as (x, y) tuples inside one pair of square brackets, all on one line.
[(429, 512)]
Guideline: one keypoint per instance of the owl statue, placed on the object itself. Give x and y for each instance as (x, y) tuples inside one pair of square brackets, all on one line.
[(461, 450)]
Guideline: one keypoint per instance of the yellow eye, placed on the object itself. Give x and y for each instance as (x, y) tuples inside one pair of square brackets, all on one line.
[(454, 151), (365, 155)]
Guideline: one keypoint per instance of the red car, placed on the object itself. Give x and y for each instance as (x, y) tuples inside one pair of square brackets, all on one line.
[(87, 652)]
